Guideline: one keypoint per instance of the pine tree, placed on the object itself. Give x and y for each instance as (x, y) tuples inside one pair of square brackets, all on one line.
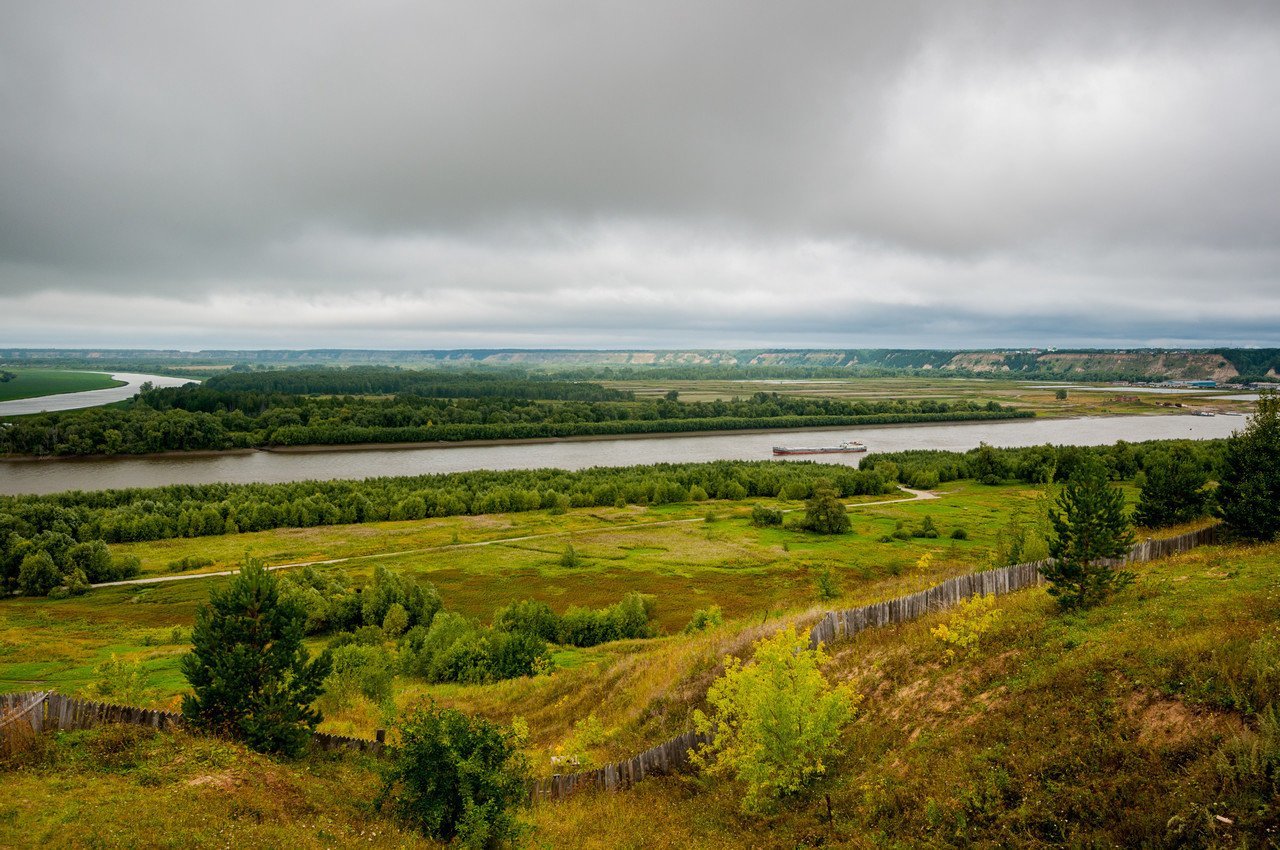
[(1092, 526), (1248, 491), (252, 677)]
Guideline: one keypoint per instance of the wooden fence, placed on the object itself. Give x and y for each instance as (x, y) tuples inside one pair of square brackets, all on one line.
[(674, 754), (837, 624), (49, 710), (668, 757)]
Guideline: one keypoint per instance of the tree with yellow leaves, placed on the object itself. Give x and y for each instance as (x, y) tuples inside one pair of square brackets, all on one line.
[(776, 720)]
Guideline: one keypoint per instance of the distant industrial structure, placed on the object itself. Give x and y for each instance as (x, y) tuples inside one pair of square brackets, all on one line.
[(1198, 385)]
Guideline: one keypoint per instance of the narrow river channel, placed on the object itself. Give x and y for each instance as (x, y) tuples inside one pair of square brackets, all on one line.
[(89, 398), (52, 476)]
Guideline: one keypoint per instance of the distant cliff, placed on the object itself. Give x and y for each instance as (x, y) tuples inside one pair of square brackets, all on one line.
[(1074, 364)]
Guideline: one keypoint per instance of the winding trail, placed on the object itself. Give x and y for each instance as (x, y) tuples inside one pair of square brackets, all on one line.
[(916, 496)]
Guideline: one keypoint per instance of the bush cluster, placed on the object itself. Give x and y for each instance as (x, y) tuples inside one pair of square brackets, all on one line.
[(52, 563)]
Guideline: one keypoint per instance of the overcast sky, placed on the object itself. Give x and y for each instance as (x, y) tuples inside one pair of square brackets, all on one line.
[(639, 174)]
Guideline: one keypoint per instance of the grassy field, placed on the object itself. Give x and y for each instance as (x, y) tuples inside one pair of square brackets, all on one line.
[(689, 563), (32, 383), (1129, 725), (1026, 395)]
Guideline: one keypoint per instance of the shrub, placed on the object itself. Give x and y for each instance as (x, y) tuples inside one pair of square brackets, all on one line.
[(959, 534), (420, 602), (396, 621), (358, 671), (120, 682), (75, 582), (825, 514), (763, 516), (530, 617), (963, 631), (627, 619), (125, 566), (705, 618), (324, 596), (190, 562), (454, 776), (569, 559), (1173, 491), (826, 585), (93, 559), (514, 654), (776, 720)]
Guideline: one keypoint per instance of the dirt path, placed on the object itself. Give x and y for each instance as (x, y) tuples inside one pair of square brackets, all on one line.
[(916, 495)]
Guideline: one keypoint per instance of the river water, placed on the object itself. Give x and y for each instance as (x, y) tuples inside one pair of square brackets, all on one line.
[(89, 398), (52, 476)]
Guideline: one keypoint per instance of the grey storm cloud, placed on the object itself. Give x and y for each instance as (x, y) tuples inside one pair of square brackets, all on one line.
[(599, 174)]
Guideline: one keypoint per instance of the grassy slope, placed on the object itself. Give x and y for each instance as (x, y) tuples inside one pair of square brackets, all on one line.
[(1101, 729), (132, 787), (32, 383), (1106, 728)]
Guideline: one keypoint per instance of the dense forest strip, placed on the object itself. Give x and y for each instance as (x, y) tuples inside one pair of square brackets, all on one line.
[(270, 409), (380, 380)]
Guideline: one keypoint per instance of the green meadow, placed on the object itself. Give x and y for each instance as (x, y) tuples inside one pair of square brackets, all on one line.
[(32, 383)]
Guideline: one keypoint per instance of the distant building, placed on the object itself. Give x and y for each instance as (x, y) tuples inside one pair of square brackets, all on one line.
[(1207, 384)]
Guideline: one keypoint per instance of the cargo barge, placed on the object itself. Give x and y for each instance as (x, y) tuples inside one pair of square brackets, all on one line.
[(842, 448)]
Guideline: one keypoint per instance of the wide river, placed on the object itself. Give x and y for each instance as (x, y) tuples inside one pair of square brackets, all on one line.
[(52, 476)]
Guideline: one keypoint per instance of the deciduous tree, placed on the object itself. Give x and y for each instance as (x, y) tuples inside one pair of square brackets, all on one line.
[(824, 513), (776, 720), (1172, 492)]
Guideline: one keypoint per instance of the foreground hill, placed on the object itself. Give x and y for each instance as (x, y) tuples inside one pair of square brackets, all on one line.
[(1143, 722)]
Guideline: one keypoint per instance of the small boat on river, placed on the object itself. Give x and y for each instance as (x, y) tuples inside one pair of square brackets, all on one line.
[(842, 448)]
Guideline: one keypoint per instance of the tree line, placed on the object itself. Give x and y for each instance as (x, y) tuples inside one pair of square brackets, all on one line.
[(393, 380)]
